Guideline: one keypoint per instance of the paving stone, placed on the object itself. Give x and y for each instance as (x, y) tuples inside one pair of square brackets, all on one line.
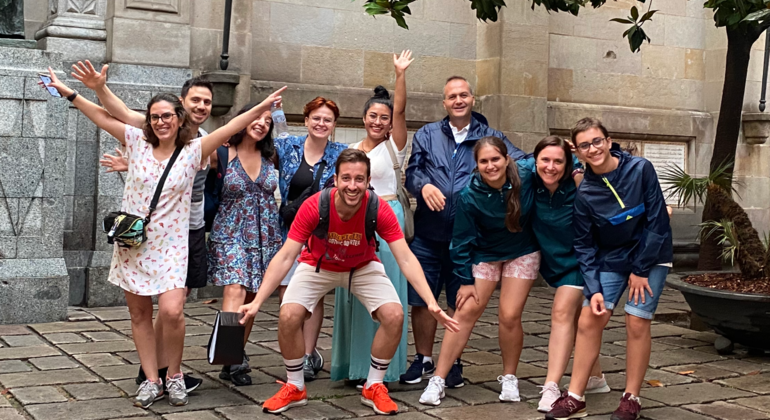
[(10, 414), (199, 311), (211, 399), (353, 404), (4, 402), (758, 403), (533, 355), (610, 349), (62, 327), (607, 403), (53, 377), (64, 338), (13, 366), (679, 342), (23, 340), (324, 388), (521, 411), (247, 412), (666, 330), (705, 336), (486, 373), (98, 359), (474, 394), (116, 372), (680, 357), (122, 325), (87, 410), (200, 330), (76, 316), (670, 413), (482, 358), (104, 336), (128, 386), (196, 340), (112, 315), (614, 334), (38, 395), (100, 347), (258, 337), (9, 353), (609, 365), (259, 393), (759, 384), (203, 366), (528, 389), (83, 392), (726, 411), (316, 410), (14, 330), (192, 415), (705, 371), (739, 366), (131, 357), (666, 378), (255, 350), (697, 393), (195, 353), (53, 363), (412, 399)]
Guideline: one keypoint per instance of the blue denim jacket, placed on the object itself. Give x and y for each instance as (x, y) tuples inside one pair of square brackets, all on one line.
[(291, 151)]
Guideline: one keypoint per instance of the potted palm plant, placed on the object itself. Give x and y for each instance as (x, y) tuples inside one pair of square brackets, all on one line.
[(736, 304)]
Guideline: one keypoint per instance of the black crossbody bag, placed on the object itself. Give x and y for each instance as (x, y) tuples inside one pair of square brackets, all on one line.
[(130, 230)]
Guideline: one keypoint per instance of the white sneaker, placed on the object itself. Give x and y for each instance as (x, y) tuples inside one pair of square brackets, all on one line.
[(550, 394), (510, 392), (597, 385), (434, 392)]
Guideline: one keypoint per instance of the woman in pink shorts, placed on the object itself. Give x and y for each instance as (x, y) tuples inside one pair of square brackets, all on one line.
[(492, 242)]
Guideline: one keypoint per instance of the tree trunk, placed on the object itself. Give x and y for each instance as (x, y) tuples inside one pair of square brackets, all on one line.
[(709, 256), (751, 252), (739, 42)]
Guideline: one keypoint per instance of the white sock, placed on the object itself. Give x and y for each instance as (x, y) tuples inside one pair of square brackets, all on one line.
[(634, 397), (427, 359), (577, 397), (294, 374), (377, 371)]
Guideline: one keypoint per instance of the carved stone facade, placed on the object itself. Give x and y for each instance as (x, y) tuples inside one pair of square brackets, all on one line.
[(534, 74)]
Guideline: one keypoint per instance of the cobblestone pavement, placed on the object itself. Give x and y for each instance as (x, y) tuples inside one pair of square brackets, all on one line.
[(84, 369)]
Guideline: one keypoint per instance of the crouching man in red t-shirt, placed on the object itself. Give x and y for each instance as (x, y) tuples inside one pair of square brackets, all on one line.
[(345, 258)]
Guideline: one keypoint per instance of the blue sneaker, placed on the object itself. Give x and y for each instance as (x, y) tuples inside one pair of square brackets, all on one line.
[(455, 377), (417, 371)]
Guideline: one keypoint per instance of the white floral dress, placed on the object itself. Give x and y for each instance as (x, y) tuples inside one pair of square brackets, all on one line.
[(159, 264)]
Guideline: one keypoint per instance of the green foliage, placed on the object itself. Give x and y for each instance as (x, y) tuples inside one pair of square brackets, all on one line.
[(726, 237), (693, 189), (727, 13)]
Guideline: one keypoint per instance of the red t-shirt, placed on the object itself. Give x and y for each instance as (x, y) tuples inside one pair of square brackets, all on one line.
[(347, 246)]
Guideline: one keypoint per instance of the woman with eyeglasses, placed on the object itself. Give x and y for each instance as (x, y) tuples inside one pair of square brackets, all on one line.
[(622, 241), (385, 124), (306, 161), (158, 267)]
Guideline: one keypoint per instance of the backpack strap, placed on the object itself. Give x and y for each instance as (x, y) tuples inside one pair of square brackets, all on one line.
[(370, 223), (161, 181), (321, 230)]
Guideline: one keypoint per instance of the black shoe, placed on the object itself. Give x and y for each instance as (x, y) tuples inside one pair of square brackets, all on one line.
[(237, 374), (316, 361), (141, 377), (417, 370), (308, 371), (455, 377), (191, 383)]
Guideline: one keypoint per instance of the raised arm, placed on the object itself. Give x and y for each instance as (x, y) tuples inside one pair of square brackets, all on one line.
[(94, 112), (401, 63), (97, 81), (215, 139)]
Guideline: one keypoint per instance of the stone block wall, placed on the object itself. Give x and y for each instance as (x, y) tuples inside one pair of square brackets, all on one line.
[(34, 285)]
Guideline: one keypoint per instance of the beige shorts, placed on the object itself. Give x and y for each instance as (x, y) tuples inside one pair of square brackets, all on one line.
[(524, 267), (370, 285)]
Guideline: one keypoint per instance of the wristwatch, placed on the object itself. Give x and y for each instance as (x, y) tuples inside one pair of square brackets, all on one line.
[(73, 96)]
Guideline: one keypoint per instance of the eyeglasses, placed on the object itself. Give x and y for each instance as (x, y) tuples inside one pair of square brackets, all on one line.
[(154, 118), (597, 143)]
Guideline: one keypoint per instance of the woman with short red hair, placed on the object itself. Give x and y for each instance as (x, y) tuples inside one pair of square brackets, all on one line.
[(306, 163)]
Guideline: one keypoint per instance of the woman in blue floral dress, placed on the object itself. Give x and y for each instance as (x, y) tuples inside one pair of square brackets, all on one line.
[(246, 233)]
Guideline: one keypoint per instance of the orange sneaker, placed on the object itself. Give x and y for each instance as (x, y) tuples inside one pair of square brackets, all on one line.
[(289, 396), (377, 397)]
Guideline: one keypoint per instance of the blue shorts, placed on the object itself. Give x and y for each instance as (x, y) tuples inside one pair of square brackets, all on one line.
[(437, 266), (614, 284)]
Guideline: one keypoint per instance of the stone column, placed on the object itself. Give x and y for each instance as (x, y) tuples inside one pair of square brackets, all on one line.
[(75, 28), (34, 286)]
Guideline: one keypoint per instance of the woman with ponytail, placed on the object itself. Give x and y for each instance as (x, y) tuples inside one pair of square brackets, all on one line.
[(492, 242), (385, 123)]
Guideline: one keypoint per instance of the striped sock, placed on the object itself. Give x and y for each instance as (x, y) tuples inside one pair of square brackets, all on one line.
[(377, 371), (294, 373)]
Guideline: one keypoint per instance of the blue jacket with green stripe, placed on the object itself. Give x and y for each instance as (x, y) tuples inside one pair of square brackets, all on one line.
[(620, 221)]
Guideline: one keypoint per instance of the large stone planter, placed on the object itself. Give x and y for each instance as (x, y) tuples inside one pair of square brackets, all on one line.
[(756, 127), (739, 317)]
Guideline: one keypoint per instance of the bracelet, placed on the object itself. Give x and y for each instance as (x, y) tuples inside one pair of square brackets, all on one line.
[(577, 171), (73, 96)]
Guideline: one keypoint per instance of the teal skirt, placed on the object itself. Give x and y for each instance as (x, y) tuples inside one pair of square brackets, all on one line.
[(354, 328)]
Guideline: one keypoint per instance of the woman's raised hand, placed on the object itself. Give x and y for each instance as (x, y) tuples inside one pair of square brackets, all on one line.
[(402, 62), (87, 74), (270, 100), (57, 84)]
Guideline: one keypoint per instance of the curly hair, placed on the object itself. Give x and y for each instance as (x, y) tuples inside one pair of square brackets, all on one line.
[(185, 132)]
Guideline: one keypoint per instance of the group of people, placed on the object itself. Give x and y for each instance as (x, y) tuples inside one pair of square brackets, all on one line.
[(488, 215)]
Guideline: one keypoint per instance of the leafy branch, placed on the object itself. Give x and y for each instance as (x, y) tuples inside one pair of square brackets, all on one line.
[(635, 34)]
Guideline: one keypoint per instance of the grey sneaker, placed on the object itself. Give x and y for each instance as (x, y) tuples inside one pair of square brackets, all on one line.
[(148, 393), (307, 369), (177, 391), (316, 360)]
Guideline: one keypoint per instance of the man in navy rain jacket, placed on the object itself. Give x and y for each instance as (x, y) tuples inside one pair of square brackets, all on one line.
[(439, 168)]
